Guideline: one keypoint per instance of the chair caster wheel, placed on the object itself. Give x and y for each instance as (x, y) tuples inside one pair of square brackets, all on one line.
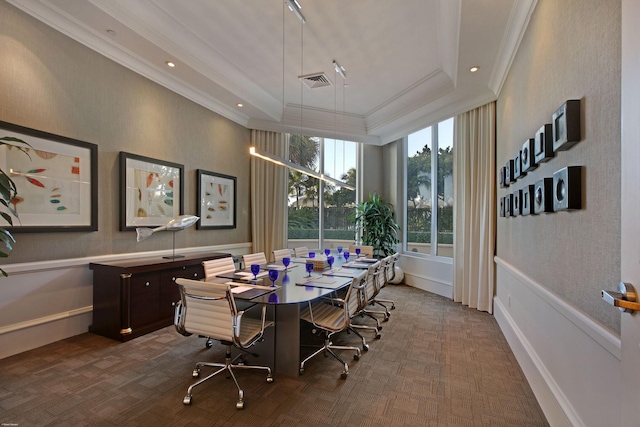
[(393, 307), (186, 400), (209, 344), (356, 357), (365, 347), (269, 378), (240, 404), (344, 375), (195, 373), (379, 328), (386, 319), (301, 371), (378, 336)]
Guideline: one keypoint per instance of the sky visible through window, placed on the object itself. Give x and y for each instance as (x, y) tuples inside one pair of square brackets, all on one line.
[(339, 157)]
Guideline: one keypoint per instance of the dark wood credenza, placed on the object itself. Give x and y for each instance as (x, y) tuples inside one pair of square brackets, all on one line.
[(136, 296)]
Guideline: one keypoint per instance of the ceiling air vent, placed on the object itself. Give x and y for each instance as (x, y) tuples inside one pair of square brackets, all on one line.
[(316, 80)]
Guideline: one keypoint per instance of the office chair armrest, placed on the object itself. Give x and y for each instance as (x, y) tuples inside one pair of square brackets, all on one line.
[(237, 322), (178, 319)]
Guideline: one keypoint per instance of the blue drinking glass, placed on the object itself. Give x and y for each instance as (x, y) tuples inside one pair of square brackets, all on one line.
[(346, 255), (312, 254), (327, 251), (255, 269), (273, 276), (339, 250), (273, 298), (357, 252), (309, 267), (330, 260), (286, 261)]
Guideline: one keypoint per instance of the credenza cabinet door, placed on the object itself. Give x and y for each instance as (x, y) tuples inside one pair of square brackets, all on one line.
[(145, 300)]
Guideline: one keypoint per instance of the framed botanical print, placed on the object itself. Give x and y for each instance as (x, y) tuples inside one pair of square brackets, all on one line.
[(217, 200)]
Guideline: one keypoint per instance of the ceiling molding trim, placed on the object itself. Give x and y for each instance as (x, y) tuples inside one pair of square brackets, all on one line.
[(69, 26), (448, 111), (216, 68), (516, 28), (384, 117), (449, 36), (325, 133)]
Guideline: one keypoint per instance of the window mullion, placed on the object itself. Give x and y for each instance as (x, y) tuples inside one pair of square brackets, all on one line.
[(321, 197), (434, 189)]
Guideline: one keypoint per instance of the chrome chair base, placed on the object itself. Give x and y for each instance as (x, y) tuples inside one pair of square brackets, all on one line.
[(228, 366), (328, 347)]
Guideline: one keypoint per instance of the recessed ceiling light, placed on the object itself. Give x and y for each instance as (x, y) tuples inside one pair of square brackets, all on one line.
[(171, 64), (474, 69), (240, 104)]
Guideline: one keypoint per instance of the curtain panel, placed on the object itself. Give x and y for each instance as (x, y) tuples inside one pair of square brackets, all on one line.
[(475, 208), (269, 183)]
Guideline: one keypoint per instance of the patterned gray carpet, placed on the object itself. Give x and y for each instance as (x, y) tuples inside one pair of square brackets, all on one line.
[(437, 364)]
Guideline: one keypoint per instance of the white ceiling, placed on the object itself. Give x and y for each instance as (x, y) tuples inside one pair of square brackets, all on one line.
[(407, 61)]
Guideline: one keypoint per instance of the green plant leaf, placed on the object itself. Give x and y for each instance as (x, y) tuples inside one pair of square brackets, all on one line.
[(8, 191)]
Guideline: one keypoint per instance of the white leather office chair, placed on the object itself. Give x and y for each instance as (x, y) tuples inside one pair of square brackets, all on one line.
[(371, 288), (388, 268), (214, 267), (365, 251), (257, 258), (278, 254), (333, 315), (209, 309), (301, 251)]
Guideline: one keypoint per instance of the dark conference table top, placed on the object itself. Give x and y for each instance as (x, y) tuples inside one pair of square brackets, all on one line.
[(293, 285)]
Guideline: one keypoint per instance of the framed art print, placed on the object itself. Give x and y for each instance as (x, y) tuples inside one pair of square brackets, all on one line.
[(151, 191), (56, 179), (217, 200)]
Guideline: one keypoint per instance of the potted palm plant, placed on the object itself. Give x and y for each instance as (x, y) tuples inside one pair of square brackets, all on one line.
[(375, 223), (8, 192)]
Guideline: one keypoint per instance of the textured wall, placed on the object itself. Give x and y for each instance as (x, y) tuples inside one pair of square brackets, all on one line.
[(52, 83), (571, 50)]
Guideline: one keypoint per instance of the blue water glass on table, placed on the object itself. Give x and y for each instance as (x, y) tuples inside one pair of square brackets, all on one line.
[(339, 251), (346, 255), (312, 254), (327, 251), (309, 267), (273, 276), (330, 260), (255, 269), (357, 252), (286, 261)]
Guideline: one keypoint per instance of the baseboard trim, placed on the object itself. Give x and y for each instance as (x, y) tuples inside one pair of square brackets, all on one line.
[(554, 403), (429, 285), (44, 320)]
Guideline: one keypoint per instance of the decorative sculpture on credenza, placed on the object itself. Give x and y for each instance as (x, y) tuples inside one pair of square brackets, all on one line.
[(175, 224)]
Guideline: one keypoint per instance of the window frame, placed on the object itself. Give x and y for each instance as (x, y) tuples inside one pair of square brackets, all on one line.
[(435, 145)]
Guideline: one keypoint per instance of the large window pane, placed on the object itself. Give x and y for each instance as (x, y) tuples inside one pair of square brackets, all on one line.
[(419, 191), (311, 199), (445, 189), (430, 190), (304, 193), (339, 202)]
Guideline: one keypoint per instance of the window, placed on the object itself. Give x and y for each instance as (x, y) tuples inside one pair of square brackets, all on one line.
[(318, 209), (339, 202), (429, 184)]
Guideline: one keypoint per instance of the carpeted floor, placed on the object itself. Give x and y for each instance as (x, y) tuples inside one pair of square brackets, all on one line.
[(437, 364)]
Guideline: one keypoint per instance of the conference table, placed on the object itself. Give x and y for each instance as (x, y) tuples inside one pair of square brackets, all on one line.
[(292, 292)]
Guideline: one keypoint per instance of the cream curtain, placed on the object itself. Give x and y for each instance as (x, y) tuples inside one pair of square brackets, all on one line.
[(269, 183), (475, 208)]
